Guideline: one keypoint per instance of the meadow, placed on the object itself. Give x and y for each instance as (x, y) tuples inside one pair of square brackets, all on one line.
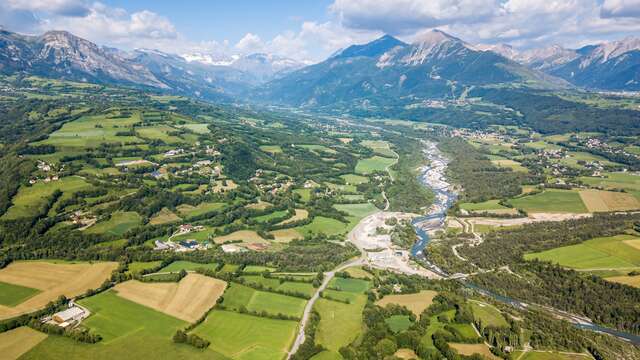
[(325, 225), (12, 295), (16, 342), (622, 251), (340, 323), (52, 280), (417, 302), (373, 164), (119, 223), (275, 284), (398, 323), (176, 266), (138, 266), (129, 331), (242, 336), (551, 201), (487, 314), (239, 296), (349, 285)]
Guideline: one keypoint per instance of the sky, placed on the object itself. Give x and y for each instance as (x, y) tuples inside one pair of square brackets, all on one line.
[(311, 30)]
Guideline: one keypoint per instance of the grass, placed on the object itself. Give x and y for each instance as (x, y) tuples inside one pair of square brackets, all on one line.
[(271, 216), (238, 296), (241, 336), (417, 303), (176, 266), (318, 148), (514, 165), (398, 323), (271, 149), (164, 216), (30, 200), (379, 147), (615, 180), (14, 343), (606, 253), (257, 268), (354, 179), (275, 284), (192, 211), (488, 315), (158, 132), (196, 128), (553, 355), (373, 164), (138, 266), (483, 206), (129, 331), (466, 330), (12, 295), (551, 201), (349, 285), (119, 223), (305, 194), (340, 324), (325, 225)]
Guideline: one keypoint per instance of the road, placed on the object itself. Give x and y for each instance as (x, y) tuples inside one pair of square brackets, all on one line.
[(307, 310)]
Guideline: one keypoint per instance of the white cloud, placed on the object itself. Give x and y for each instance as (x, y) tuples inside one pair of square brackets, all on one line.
[(58, 7), (250, 43), (620, 8)]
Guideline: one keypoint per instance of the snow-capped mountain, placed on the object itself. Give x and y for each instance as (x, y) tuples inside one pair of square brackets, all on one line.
[(263, 67)]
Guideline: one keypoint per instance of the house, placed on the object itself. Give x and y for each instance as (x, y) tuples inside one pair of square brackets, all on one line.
[(68, 317)]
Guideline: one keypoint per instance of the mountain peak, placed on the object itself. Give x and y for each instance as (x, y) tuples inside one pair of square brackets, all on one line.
[(374, 48), (435, 36)]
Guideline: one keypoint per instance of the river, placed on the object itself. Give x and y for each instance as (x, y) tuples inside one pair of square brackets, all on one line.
[(433, 176)]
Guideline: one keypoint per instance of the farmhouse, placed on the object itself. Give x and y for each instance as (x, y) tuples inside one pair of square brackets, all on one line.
[(69, 317)]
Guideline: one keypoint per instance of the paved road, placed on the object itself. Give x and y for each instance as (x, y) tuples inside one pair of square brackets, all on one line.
[(307, 310)]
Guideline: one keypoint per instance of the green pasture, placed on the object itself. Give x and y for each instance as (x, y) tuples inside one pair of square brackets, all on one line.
[(138, 266), (483, 206), (349, 285), (488, 315), (398, 323), (192, 211), (615, 180), (119, 223), (551, 201), (242, 336), (12, 295), (275, 284), (271, 149), (176, 266), (325, 225), (129, 331), (159, 132), (599, 253), (340, 323), (354, 179), (238, 296), (373, 164)]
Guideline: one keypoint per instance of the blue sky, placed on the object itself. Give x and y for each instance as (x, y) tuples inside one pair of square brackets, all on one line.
[(310, 30)]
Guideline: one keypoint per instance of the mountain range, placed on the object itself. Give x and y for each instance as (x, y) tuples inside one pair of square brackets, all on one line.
[(384, 72)]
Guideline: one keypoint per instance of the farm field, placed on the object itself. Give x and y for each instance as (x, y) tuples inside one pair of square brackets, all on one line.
[(487, 314), (239, 296), (242, 336), (249, 236), (551, 201), (300, 214), (164, 216), (354, 179), (398, 323), (599, 201), (52, 280), (339, 323), (625, 279), (615, 180), (349, 285), (138, 266), (129, 331), (417, 303), (325, 225), (470, 349), (381, 147), (622, 251), (16, 342), (373, 164), (31, 199), (511, 164), (359, 273), (12, 295), (119, 223), (550, 355), (272, 149), (176, 266), (188, 299), (271, 283)]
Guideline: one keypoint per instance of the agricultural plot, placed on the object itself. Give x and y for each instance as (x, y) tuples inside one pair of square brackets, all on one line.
[(551, 355), (164, 216), (189, 211), (373, 164), (470, 349), (188, 299), (239, 296), (119, 223), (625, 279), (138, 266), (91, 131), (617, 180), (159, 132), (129, 331), (622, 251), (275, 284), (271, 216), (340, 323), (305, 194), (300, 214), (349, 285), (359, 273), (318, 149), (196, 128), (320, 224), (12, 295), (241, 336), (417, 303), (285, 235), (379, 147), (354, 179), (51, 280), (30, 200), (487, 314), (176, 266), (551, 201), (16, 342), (398, 323), (248, 236), (271, 149), (511, 164), (602, 201)]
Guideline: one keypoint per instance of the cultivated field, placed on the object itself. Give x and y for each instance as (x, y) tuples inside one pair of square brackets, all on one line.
[(176, 266), (470, 349), (398, 323), (242, 235), (600, 201), (202, 208), (551, 201), (373, 164), (275, 284), (325, 225), (340, 323), (301, 214), (12, 295), (239, 296), (163, 216), (286, 235), (129, 331), (487, 314), (16, 342), (188, 299), (417, 303), (52, 280), (598, 254), (119, 223), (241, 336)]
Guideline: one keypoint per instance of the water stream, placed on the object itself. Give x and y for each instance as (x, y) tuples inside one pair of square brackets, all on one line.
[(433, 177)]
